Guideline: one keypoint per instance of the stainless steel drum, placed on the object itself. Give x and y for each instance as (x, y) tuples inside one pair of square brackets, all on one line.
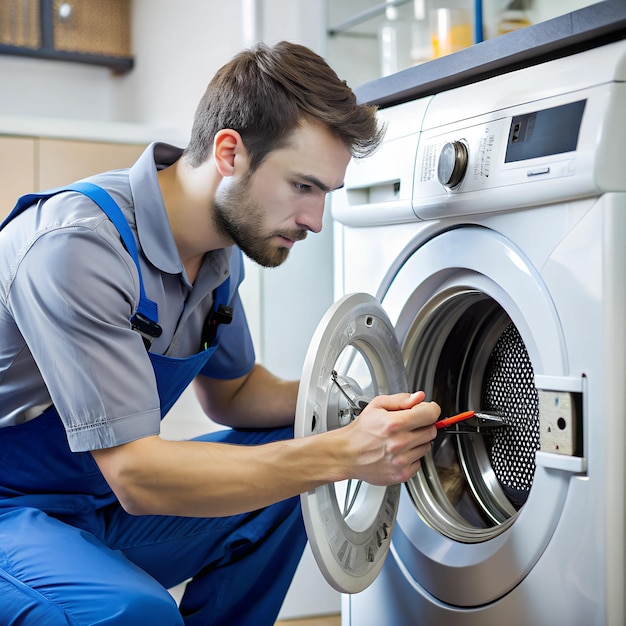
[(465, 351)]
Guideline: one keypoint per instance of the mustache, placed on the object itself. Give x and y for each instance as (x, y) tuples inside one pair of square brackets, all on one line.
[(293, 235)]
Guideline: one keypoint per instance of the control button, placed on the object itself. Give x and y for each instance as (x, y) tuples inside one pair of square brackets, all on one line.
[(539, 172), (452, 164)]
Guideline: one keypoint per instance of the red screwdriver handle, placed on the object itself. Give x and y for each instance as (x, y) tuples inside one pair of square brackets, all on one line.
[(448, 421)]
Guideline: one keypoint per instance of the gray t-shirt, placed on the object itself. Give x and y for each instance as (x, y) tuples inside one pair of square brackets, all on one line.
[(68, 289)]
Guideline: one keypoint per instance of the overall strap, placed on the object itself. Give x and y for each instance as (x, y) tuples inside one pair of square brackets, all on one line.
[(222, 312), (146, 318)]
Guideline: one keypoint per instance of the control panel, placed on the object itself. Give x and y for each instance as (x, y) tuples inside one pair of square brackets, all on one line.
[(527, 155), (538, 135)]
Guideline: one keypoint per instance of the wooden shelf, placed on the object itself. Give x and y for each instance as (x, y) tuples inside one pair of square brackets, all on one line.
[(118, 65)]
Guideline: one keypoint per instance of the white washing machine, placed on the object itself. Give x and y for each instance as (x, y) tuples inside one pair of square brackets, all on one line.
[(481, 256)]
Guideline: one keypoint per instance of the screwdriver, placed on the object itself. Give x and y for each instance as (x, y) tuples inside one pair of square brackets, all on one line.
[(484, 420), (448, 421)]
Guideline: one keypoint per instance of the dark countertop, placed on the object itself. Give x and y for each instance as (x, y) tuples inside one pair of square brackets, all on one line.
[(568, 34)]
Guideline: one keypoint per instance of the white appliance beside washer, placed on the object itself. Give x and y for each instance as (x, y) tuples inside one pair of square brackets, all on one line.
[(491, 228)]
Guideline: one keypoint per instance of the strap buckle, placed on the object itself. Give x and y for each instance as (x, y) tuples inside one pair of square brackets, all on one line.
[(222, 315), (148, 329)]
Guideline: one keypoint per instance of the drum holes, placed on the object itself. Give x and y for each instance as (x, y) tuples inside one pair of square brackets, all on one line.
[(369, 321)]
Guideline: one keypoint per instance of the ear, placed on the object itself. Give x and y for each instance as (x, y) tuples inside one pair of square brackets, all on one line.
[(228, 151)]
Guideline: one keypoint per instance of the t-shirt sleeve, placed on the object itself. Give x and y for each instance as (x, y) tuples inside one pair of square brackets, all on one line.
[(72, 296)]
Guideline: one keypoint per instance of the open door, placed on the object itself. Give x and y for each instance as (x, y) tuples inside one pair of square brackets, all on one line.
[(353, 356)]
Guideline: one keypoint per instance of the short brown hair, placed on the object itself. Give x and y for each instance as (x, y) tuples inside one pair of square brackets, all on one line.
[(266, 92)]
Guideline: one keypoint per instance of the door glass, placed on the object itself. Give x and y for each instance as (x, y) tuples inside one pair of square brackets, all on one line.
[(354, 385)]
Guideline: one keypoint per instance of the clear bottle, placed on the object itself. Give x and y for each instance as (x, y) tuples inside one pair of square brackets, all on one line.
[(451, 26), (403, 37)]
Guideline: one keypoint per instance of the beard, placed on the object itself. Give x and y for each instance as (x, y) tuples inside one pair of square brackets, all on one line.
[(239, 216)]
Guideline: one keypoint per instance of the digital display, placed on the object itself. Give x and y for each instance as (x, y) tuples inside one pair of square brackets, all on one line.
[(539, 134)]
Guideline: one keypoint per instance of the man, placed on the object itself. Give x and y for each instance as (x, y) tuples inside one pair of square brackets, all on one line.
[(111, 303)]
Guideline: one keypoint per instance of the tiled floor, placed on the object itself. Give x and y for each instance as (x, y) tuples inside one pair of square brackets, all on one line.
[(325, 620)]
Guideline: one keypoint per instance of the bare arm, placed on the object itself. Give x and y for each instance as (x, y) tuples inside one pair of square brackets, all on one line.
[(258, 400), (383, 446)]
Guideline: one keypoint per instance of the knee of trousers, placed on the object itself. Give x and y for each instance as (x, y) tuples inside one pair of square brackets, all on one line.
[(23, 606), (142, 608)]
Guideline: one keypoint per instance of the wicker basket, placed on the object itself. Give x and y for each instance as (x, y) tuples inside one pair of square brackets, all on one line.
[(99, 27), (93, 27), (20, 23)]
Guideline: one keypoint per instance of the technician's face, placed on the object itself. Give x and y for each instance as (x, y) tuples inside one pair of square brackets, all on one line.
[(267, 212)]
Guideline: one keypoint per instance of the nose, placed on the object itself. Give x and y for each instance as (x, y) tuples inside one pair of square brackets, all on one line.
[(311, 217)]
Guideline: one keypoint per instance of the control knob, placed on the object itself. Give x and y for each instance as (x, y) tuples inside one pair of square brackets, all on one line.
[(452, 164)]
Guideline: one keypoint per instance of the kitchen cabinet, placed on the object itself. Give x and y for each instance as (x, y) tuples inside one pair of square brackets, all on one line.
[(17, 170), (35, 163), (63, 161)]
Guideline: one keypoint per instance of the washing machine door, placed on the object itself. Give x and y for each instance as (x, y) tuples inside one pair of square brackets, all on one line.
[(353, 356)]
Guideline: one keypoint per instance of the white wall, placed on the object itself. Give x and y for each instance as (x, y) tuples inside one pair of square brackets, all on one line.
[(178, 47), (33, 88)]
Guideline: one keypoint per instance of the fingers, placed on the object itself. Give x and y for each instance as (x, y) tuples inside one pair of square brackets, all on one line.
[(408, 462), (406, 412), (395, 432), (399, 401), (415, 398), (403, 401), (414, 431)]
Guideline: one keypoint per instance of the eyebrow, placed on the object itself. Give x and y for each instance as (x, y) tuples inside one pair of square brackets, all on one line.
[(318, 183)]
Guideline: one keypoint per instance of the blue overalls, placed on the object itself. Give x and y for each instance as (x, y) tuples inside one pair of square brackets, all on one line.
[(69, 554)]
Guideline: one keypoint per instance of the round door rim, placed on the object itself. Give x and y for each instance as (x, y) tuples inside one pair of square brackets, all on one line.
[(349, 559)]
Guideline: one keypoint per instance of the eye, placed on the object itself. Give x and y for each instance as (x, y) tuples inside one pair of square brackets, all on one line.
[(302, 187)]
